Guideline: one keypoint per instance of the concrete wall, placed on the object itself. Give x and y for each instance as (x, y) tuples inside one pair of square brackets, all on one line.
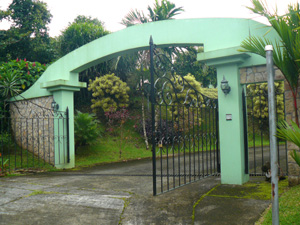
[(33, 126), (258, 74)]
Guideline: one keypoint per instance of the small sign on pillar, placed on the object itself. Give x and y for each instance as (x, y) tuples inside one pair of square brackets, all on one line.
[(228, 117)]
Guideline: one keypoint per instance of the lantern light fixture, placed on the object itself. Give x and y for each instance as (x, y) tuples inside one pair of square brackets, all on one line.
[(225, 86)]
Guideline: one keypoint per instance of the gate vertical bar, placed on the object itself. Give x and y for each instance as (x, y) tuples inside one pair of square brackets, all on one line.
[(217, 138), (68, 136), (245, 132), (153, 114)]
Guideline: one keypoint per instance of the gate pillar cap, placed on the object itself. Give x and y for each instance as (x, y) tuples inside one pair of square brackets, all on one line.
[(60, 84)]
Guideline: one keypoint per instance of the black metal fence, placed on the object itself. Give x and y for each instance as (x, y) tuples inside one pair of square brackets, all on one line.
[(256, 108), (34, 139), (185, 140)]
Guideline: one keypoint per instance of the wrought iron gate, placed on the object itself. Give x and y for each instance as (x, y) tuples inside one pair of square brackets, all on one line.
[(185, 140), (32, 137), (255, 107)]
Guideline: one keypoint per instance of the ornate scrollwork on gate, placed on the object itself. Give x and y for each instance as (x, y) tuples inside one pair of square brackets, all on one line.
[(184, 132)]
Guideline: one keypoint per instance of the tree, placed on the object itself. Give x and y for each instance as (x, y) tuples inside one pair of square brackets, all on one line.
[(161, 11), (80, 32), (286, 54), (28, 35)]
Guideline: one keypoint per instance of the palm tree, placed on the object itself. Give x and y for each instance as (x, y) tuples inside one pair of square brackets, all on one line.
[(286, 54), (164, 10)]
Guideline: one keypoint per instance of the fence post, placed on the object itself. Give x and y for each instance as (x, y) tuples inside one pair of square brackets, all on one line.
[(273, 139)]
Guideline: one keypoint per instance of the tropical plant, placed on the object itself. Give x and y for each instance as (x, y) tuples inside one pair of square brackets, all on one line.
[(286, 52), (161, 11), (80, 32), (86, 129), (292, 134), (28, 35), (109, 93)]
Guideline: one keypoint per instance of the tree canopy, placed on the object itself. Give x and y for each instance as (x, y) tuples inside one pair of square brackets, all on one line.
[(28, 35), (80, 32)]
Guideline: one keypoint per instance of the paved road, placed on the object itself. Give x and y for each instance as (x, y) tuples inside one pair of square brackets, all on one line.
[(94, 196)]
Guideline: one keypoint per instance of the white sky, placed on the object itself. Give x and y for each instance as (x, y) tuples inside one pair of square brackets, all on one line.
[(111, 12)]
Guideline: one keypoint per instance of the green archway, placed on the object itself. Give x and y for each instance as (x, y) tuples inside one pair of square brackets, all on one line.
[(220, 37)]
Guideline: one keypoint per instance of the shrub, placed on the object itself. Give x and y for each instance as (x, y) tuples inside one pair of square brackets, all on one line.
[(116, 119), (86, 129), (109, 92), (187, 91), (27, 72), (258, 107), (6, 141)]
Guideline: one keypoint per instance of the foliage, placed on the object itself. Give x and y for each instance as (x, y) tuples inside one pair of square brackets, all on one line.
[(82, 31), (117, 119), (17, 76), (109, 92), (3, 171), (78, 33), (86, 129), (186, 62), (292, 134), (161, 11), (286, 54), (259, 92), (187, 91), (28, 35), (5, 141), (28, 72)]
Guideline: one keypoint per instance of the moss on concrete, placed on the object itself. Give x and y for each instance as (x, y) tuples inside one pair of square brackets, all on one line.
[(257, 189)]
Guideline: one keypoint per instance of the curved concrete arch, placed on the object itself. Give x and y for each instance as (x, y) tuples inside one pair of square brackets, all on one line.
[(212, 33)]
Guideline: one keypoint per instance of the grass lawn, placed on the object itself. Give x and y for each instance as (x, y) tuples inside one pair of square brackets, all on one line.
[(289, 208), (22, 160), (108, 148)]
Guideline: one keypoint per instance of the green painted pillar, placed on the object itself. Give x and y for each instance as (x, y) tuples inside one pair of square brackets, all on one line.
[(63, 94), (231, 130)]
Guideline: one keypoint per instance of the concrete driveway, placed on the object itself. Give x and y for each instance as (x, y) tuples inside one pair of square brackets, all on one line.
[(94, 196)]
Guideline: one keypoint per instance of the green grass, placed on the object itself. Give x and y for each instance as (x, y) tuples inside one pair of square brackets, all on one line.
[(108, 148), (22, 159), (259, 140), (289, 208)]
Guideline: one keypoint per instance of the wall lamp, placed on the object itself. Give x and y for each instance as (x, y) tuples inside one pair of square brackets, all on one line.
[(54, 105), (225, 86)]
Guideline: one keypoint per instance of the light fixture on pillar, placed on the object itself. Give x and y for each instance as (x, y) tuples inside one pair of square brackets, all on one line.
[(54, 105), (225, 86)]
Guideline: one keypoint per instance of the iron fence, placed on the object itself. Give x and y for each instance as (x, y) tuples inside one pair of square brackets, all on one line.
[(257, 139), (33, 139)]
